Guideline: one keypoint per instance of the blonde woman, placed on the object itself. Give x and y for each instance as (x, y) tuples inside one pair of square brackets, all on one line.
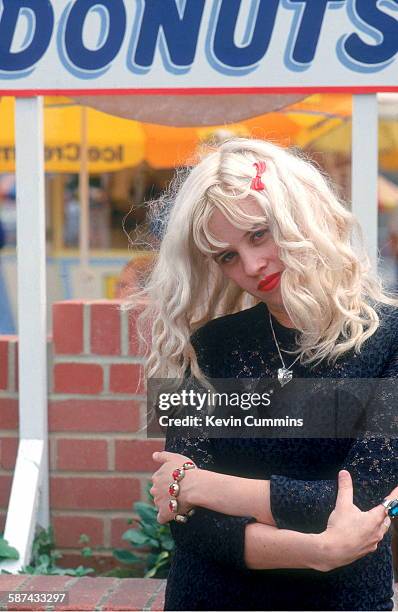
[(257, 278)]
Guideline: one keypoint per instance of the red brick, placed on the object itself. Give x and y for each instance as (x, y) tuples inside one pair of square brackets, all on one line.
[(11, 582), (105, 328), (158, 603), (8, 455), (5, 490), (68, 529), (42, 583), (68, 328), (81, 455), (136, 455), (125, 378), (3, 363), (118, 527), (78, 378), (16, 368), (86, 594), (133, 333), (137, 592), (8, 413), (52, 444), (101, 562), (113, 493), (47, 583), (94, 415)]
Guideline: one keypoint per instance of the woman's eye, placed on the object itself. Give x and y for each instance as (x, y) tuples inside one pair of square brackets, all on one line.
[(259, 234), (227, 257)]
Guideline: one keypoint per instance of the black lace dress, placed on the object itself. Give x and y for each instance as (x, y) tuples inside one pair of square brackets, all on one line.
[(208, 570)]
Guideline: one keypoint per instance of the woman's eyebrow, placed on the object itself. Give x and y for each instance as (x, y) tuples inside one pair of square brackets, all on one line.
[(253, 229)]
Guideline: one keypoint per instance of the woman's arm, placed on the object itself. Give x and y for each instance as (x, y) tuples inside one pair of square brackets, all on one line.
[(211, 535), (236, 541), (350, 535), (299, 504), (219, 492), (232, 495), (372, 461), (289, 503), (222, 493), (268, 547)]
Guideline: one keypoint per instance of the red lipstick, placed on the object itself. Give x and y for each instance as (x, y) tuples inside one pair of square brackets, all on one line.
[(269, 282)]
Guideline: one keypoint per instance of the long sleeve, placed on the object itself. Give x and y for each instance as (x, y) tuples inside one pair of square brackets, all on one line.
[(210, 534), (305, 505), (217, 536)]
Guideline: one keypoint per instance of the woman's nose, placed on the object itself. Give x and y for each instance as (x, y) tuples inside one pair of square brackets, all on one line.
[(254, 265)]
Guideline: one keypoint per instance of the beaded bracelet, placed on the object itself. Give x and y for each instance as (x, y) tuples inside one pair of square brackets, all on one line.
[(174, 490)]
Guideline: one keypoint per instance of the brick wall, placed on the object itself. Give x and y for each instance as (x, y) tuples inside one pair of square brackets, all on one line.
[(8, 417), (100, 462)]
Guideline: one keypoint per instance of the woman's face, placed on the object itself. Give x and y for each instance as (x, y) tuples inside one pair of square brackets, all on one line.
[(251, 259)]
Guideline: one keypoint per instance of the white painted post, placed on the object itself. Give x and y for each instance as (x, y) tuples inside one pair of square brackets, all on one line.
[(365, 153), (29, 500), (84, 234), (85, 277), (28, 494)]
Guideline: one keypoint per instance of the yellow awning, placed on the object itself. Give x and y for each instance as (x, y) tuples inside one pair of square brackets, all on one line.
[(321, 122), (113, 143)]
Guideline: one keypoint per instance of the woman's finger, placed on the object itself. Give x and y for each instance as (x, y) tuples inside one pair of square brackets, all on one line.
[(154, 475), (162, 456), (379, 512), (162, 518), (345, 491), (393, 494)]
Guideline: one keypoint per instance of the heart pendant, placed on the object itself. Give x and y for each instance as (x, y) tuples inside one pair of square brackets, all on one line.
[(284, 376)]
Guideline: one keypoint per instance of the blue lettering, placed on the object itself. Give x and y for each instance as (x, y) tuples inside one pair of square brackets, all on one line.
[(366, 14), (306, 30), (223, 53), (37, 39), (175, 24), (111, 41)]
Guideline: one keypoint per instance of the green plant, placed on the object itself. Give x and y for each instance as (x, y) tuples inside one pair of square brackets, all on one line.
[(87, 551), (7, 551), (152, 536), (44, 557)]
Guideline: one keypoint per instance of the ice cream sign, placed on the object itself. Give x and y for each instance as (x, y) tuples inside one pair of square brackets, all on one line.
[(146, 45)]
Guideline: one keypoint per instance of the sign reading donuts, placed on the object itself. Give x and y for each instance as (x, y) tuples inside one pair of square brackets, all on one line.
[(158, 45)]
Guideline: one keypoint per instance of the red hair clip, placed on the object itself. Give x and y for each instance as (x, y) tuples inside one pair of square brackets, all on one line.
[(257, 183)]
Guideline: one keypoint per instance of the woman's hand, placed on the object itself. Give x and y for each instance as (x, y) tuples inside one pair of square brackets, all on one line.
[(221, 493), (162, 479), (350, 533)]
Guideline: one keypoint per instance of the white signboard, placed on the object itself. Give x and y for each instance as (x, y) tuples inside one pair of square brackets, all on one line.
[(149, 46)]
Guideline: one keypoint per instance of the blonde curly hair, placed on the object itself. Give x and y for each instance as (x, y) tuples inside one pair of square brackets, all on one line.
[(328, 289)]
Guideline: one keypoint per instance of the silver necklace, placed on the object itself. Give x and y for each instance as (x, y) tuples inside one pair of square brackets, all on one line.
[(285, 374)]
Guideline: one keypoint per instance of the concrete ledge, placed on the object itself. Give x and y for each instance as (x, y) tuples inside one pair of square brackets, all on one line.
[(90, 594), (110, 594)]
